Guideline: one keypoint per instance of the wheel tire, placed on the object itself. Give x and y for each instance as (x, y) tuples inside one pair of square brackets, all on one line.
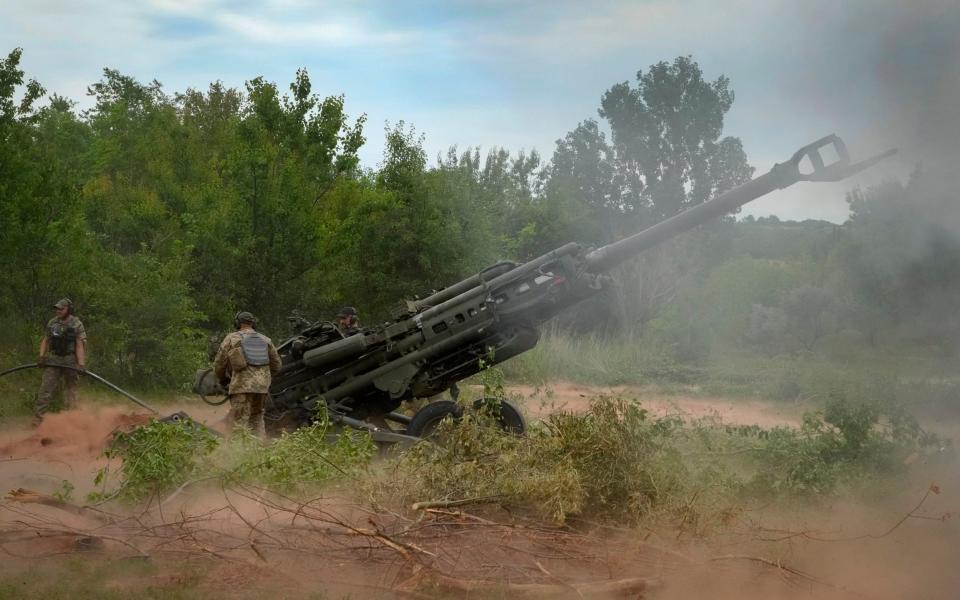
[(506, 414), (427, 418)]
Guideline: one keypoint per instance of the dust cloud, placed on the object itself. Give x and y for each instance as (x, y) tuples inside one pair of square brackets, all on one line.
[(902, 541)]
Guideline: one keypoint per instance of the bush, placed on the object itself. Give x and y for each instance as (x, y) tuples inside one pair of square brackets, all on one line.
[(617, 463), (612, 462), (155, 458), (306, 457), (158, 457), (844, 443)]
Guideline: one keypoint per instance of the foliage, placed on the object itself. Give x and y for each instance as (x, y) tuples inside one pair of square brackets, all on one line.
[(844, 442), (155, 458), (302, 459), (616, 462), (162, 214), (666, 138), (160, 456), (613, 461)]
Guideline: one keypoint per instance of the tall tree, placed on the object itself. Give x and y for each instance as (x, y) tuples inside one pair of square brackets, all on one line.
[(666, 154), (666, 137)]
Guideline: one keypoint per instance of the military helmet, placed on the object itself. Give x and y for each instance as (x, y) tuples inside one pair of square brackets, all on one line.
[(243, 317), (64, 303), (347, 311)]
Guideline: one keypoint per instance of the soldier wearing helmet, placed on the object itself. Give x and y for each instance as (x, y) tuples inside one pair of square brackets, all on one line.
[(245, 363), (348, 321), (64, 345)]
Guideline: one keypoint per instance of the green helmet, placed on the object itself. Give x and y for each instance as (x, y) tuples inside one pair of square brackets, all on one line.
[(243, 317), (347, 311)]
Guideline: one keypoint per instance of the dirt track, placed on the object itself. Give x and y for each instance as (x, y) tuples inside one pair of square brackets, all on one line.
[(841, 550)]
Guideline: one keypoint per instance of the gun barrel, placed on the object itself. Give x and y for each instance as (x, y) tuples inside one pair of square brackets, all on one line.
[(780, 176), (608, 256)]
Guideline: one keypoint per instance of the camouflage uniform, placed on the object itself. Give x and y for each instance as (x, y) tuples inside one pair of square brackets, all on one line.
[(56, 357), (347, 330), (249, 387), (353, 325)]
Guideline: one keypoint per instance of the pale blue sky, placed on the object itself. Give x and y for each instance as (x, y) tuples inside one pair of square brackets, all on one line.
[(522, 74)]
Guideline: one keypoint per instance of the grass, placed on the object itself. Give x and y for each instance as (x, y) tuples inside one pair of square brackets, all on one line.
[(597, 360), (87, 577), (154, 459)]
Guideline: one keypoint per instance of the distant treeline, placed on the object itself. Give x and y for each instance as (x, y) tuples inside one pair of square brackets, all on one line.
[(162, 214)]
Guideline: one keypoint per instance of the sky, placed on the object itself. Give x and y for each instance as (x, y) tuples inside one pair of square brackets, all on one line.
[(520, 75)]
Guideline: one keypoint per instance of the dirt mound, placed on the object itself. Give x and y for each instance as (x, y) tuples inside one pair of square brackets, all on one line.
[(81, 433)]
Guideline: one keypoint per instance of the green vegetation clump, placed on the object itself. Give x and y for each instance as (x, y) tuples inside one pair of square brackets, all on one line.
[(155, 458), (844, 443), (158, 457), (616, 462), (297, 460)]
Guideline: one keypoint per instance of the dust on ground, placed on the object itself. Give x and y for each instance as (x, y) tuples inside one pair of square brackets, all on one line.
[(572, 397), (248, 543)]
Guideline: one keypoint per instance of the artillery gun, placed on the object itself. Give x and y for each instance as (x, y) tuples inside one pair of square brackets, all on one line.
[(432, 343)]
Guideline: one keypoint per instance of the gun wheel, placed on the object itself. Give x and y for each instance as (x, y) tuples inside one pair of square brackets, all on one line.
[(427, 418), (425, 421), (506, 414)]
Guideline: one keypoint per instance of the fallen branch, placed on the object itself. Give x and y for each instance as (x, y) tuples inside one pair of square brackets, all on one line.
[(452, 503), (26, 496), (933, 489), (778, 564)]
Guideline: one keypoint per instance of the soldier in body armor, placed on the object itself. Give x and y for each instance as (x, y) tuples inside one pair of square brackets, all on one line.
[(245, 365), (64, 344), (348, 322)]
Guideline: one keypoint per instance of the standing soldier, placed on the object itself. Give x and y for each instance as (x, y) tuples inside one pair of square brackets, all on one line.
[(348, 322), (64, 345), (249, 360)]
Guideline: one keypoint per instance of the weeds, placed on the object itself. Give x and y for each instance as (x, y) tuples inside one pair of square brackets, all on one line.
[(617, 463), (155, 457), (159, 457), (599, 361), (306, 457)]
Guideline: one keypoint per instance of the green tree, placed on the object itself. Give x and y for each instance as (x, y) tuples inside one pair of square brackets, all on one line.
[(666, 155), (666, 139), (43, 241)]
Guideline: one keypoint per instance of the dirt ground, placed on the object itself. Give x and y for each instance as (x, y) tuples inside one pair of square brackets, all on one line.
[(246, 542)]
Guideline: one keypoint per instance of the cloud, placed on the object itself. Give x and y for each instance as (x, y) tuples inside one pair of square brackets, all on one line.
[(315, 32)]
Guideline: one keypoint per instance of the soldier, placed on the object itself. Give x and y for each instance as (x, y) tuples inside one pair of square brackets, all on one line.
[(245, 364), (348, 322), (64, 345)]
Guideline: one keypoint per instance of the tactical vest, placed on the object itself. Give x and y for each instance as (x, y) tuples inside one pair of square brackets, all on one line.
[(255, 349), (62, 339)]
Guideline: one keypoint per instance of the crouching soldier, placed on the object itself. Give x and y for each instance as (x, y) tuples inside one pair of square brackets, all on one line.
[(245, 364), (63, 348), (348, 321)]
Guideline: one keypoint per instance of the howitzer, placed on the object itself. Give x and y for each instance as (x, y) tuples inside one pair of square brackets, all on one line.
[(432, 343)]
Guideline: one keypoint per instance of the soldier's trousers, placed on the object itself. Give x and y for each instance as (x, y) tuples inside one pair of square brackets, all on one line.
[(48, 387), (247, 410)]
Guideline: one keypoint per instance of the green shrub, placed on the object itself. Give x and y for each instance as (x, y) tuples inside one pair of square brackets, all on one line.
[(155, 458), (615, 462), (158, 457), (307, 457)]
